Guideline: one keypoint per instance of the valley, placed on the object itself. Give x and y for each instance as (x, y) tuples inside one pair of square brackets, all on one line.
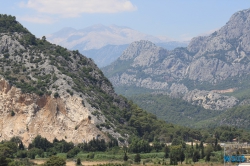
[(150, 105), (211, 72)]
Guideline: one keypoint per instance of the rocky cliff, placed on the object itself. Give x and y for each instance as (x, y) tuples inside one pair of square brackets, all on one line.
[(29, 115), (197, 73), (48, 90)]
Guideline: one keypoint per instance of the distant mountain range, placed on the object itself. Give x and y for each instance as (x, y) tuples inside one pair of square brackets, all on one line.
[(213, 71), (104, 44)]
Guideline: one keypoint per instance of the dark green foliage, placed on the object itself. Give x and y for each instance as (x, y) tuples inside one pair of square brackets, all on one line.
[(55, 161), (21, 147), (157, 146), (137, 158), (41, 143), (182, 156), (56, 95), (207, 158), (196, 156), (91, 155), (9, 150), (176, 152), (12, 113), (60, 147), (22, 162), (78, 161), (228, 118), (139, 145), (95, 145), (73, 152), (28, 39), (166, 151), (35, 151), (125, 157), (22, 154), (5, 152), (173, 110), (9, 24)]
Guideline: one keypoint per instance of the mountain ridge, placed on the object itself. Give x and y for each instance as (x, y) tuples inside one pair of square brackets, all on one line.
[(197, 73), (104, 44)]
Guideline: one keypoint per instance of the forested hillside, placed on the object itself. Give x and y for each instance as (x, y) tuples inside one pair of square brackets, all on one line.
[(174, 110)]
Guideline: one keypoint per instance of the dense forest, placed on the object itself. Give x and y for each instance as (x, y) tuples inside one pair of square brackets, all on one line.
[(174, 110)]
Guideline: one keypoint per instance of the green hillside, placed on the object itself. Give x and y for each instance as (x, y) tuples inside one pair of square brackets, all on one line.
[(173, 110)]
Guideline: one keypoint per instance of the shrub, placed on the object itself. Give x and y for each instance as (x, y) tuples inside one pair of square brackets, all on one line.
[(56, 161), (12, 113), (56, 95)]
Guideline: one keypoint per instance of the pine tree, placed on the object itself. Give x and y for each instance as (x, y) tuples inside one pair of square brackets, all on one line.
[(202, 153), (166, 150), (21, 147), (125, 157), (182, 156), (78, 161), (137, 158)]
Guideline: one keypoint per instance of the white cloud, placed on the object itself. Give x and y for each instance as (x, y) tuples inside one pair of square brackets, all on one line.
[(74, 8), (36, 19)]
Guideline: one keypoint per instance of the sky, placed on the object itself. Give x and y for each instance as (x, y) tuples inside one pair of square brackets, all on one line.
[(178, 20)]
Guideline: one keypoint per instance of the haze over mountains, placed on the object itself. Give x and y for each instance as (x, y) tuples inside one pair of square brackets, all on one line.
[(213, 71), (104, 44)]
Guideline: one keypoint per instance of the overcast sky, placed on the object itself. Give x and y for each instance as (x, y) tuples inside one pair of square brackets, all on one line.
[(175, 19)]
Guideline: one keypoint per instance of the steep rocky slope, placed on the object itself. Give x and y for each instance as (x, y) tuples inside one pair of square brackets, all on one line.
[(46, 89), (50, 91), (27, 115), (200, 73)]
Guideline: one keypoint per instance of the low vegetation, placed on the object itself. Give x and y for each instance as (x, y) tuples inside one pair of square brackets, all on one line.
[(55, 153)]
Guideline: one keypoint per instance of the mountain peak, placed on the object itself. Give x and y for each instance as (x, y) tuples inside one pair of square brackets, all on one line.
[(236, 30), (98, 36), (135, 48)]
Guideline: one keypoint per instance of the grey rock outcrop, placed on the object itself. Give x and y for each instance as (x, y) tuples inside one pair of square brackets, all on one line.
[(209, 63)]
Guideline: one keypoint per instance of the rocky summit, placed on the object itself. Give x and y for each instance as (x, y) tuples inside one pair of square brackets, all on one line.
[(213, 71)]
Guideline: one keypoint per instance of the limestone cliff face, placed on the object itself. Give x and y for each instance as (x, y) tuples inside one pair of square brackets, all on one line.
[(27, 115), (50, 91)]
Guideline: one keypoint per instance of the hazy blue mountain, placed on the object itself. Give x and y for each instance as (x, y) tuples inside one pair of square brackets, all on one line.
[(105, 55), (104, 44)]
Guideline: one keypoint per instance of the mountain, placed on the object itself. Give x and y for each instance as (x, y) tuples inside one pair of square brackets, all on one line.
[(104, 44), (105, 55), (213, 71), (97, 36), (48, 90)]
